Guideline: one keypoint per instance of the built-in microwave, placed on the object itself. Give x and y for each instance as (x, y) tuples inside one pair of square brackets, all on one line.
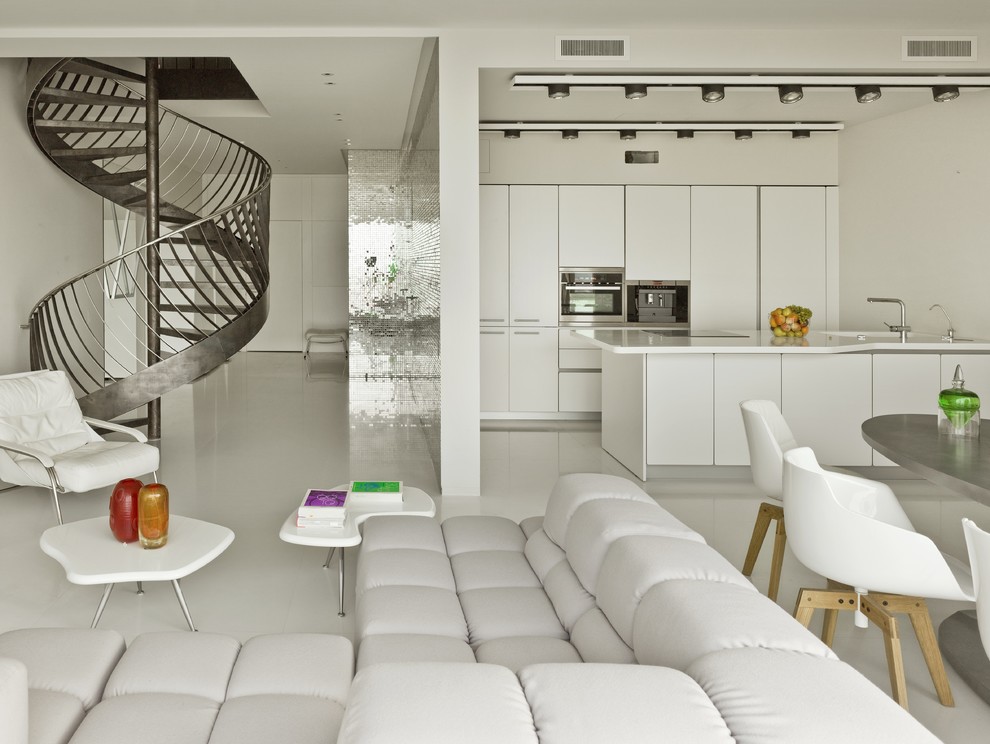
[(591, 295)]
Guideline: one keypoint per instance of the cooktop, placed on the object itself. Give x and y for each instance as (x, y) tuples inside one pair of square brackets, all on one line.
[(692, 333)]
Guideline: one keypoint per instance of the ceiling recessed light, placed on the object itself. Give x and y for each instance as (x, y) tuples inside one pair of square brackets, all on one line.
[(867, 93), (569, 134), (634, 92), (790, 93), (685, 134), (556, 90), (943, 93), (800, 134), (744, 134), (627, 134), (712, 93), (511, 134)]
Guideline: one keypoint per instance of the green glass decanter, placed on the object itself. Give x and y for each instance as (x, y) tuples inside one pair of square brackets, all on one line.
[(960, 409)]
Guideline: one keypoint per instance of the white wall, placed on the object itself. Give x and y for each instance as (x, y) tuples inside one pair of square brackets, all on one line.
[(52, 228), (308, 260), (915, 217)]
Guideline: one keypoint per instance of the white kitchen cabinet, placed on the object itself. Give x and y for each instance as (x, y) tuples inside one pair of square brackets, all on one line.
[(580, 391), (679, 409), (533, 369), (976, 372), (591, 226), (494, 257), (825, 399), (495, 370), (533, 277), (740, 377), (724, 257), (904, 383), (658, 232), (792, 250)]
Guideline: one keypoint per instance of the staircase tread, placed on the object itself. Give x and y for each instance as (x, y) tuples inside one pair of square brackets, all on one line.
[(60, 96), (99, 69), (96, 153), (88, 125)]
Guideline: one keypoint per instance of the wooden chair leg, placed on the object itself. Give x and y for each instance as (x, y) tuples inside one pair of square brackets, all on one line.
[(916, 609), (766, 514), (879, 615), (777, 561)]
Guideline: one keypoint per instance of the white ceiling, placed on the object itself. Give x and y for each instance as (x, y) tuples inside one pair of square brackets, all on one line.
[(308, 123)]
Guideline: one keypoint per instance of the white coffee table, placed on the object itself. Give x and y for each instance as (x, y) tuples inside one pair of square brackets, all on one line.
[(90, 554), (415, 502)]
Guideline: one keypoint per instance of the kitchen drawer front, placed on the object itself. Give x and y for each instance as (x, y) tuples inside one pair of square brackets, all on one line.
[(580, 391), (580, 358)]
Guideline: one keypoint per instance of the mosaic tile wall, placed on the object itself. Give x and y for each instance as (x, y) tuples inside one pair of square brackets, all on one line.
[(394, 303)]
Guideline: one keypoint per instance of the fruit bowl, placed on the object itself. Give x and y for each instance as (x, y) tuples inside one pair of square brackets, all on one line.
[(790, 321)]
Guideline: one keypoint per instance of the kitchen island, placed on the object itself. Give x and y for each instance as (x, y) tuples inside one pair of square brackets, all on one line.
[(670, 397)]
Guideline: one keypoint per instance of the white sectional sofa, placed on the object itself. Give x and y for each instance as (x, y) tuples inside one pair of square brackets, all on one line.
[(607, 620), (609, 578)]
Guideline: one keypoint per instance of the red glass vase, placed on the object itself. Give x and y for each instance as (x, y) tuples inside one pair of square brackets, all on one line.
[(153, 515), (124, 510)]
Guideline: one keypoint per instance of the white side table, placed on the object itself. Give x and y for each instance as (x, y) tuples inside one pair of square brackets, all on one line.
[(415, 502), (90, 554)]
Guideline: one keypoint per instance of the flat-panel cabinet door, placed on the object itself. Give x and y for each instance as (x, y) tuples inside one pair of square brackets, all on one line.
[(533, 369), (679, 409), (724, 257), (533, 277), (580, 391), (740, 377), (592, 226), (658, 232), (495, 369), (904, 383), (825, 399), (494, 258), (792, 250)]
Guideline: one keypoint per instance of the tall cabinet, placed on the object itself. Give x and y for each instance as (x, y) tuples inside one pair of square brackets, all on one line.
[(518, 299)]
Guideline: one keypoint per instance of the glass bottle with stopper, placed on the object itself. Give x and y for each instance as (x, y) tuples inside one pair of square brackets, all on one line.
[(959, 409)]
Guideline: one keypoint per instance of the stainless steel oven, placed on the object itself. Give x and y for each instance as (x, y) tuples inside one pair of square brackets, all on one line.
[(591, 296)]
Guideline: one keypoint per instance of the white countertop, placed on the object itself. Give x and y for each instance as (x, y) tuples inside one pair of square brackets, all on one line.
[(641, 341)]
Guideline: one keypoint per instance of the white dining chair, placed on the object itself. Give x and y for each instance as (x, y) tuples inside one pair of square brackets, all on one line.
[(768, 437), (854, 532), (978, 547), (46, 441)]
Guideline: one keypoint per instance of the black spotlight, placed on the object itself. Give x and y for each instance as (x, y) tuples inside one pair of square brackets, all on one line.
[(511, 134), (712, 93), (744, 134), (867, 93), (790, 93), (685, 134), (627, 134), (635, 91), (569, 134), (558, 90), (800, 134), (943, 93)]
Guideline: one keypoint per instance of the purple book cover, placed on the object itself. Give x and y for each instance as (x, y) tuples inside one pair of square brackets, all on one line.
[(325, 498)]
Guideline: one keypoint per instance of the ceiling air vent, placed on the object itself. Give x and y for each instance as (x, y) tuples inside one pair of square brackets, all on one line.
[(592, 47), (938, 48)]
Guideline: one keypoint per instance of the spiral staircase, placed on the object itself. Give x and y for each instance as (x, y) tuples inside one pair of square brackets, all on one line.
[(163, 313)]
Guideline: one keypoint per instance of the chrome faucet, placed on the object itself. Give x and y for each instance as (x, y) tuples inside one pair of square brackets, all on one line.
[(950, 334), (903, 328)]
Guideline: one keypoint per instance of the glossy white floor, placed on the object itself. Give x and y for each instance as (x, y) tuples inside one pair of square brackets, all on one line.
[(240, 447)]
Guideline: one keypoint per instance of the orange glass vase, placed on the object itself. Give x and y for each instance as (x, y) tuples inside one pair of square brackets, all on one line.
[(153, 515)]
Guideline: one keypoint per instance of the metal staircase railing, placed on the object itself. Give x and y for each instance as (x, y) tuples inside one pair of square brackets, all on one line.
[(164, 313)]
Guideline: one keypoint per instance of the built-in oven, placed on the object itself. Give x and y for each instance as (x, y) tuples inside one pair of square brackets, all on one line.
[(591, 295)]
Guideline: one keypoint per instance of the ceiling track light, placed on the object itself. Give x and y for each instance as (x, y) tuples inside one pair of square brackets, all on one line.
[(744, 134), (790, 93), (800, 134), (867, 93), (558, 90), (636, 91), (569, 134), (627, 134), (712, 93), (943, 93), (511, 134), (685, 134)]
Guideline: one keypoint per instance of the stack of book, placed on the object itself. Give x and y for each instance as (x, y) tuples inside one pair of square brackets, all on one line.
[(322, 508)]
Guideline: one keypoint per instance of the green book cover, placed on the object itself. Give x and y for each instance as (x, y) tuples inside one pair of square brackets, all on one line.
[(376, 487)]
